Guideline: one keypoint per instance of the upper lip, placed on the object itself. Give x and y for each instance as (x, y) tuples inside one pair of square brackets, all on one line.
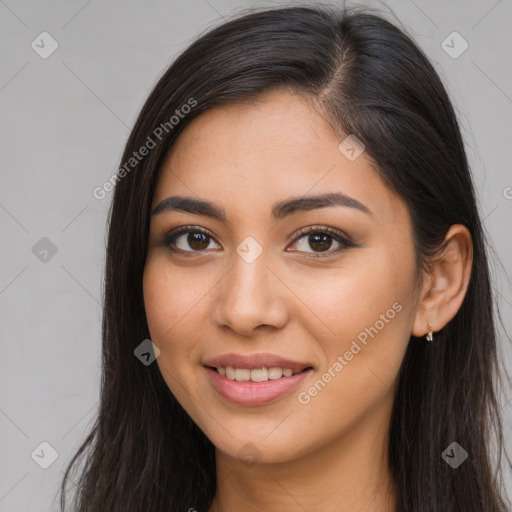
[(253, 361)]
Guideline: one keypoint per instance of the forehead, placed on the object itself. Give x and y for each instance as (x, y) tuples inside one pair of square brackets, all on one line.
[(246, 156)]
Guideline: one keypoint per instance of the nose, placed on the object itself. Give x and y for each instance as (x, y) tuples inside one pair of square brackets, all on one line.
[(250, 296)]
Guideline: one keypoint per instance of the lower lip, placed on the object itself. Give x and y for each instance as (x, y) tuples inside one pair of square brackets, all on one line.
[(254, 393)]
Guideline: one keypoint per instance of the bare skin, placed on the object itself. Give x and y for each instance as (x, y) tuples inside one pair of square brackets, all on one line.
[(327, 452)]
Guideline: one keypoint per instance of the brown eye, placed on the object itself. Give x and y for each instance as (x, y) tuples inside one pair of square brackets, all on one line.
[(320, 240), (198, 241), (187, 239)]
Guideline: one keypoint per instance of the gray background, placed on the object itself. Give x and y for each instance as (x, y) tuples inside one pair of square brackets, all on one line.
[(64, 121)]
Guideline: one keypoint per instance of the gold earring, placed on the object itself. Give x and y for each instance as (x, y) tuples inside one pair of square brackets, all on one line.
[(429, 336)]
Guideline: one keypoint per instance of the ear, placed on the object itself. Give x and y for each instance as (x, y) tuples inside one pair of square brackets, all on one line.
[(444, 286)]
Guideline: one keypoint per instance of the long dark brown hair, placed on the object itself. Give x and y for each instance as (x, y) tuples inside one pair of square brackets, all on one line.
[(367, 77)]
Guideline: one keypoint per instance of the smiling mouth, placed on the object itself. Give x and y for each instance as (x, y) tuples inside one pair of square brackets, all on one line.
[(262, 374)]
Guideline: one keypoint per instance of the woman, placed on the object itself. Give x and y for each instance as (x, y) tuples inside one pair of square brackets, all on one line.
[(298, 314)]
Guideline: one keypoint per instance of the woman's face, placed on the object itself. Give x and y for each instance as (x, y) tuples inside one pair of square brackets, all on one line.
[(249, 288)]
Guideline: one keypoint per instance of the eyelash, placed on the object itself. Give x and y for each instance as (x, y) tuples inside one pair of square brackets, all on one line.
[(170, 238)]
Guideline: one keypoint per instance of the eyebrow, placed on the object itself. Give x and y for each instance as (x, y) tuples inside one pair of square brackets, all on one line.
[(279, 210)]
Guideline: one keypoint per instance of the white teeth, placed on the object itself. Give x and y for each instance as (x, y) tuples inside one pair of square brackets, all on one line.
[(275, 373), (242, 375), (256, 374), (259, 375)]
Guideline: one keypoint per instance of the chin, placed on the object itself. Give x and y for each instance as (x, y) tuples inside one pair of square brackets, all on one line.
[(252, 449)]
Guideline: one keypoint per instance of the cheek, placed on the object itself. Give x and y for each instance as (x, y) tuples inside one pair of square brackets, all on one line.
[(366, 311), (173, 304), (173, 300), (348, 299), (362, 313)]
